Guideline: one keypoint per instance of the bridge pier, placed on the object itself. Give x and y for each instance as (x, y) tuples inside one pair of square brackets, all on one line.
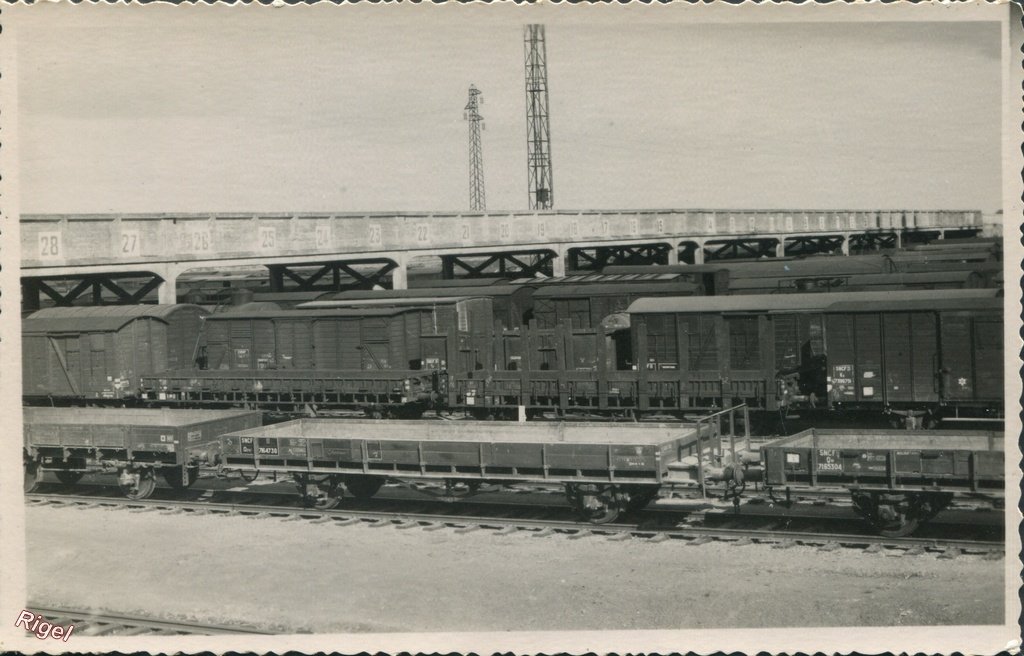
[(167, 293), (400, 274), (672, 254)]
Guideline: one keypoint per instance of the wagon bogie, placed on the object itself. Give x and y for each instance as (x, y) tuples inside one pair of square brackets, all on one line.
[(320, 492), (33, 474), (136, 482), (898, 514), (362, 486)]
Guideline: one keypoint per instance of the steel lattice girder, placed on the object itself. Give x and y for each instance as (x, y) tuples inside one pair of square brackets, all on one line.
[(127, 288), (596, 258), (920, 236), (314, 281), (524, 263), (724, 249), (813, 245), (869, 241)]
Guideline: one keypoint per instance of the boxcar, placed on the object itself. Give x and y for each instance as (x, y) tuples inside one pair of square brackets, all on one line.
[(102, 352), (397, 334), (897, 479), (382, 360), (135, 443), (904, 352)]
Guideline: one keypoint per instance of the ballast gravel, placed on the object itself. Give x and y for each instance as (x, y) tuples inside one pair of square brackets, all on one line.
[(296, 576)]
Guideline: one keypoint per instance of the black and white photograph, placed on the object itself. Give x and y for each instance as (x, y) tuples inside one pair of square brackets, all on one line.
[(474, 327)]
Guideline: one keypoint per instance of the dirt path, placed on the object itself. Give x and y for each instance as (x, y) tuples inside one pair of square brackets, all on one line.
[(294, 576)]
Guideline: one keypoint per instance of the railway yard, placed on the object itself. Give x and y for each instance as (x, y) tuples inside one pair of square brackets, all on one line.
[(805, 442), (750, 385)]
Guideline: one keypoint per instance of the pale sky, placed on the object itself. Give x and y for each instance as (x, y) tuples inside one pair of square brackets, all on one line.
[(192, 109)]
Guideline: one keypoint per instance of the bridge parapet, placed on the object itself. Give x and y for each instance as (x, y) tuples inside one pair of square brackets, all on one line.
[(83, 240)]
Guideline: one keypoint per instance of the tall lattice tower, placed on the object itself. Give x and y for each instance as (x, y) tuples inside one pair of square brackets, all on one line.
[(477, 199), (538, 132)]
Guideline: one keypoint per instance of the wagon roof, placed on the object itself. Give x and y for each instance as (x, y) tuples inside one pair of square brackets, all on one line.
[(97, 318), (835, 302), (386, 302), (960, 275), (601, 278), (673, 286), (316, 313), (421, 293)]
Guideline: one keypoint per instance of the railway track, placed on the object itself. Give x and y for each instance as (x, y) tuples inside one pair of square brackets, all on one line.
[(89, 623), (653, 529)]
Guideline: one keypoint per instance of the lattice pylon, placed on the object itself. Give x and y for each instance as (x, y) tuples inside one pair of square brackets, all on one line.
[(477, 197), (538, 130)]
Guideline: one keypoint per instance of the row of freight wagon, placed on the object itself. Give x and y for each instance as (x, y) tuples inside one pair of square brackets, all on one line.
[(897, 479), (947, 264), (906, 353)]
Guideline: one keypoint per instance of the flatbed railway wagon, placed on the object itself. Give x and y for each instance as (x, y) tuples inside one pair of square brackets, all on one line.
[(605, 469), (135, 443), (897, 480)]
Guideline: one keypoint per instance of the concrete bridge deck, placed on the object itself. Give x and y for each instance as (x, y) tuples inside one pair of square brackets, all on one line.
[(170, 244)]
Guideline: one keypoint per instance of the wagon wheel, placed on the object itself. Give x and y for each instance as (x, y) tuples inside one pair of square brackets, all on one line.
[(136, 483), (173, 477), (598, 504), (322, 495), (363, 487), (892, 515), (456, 488), (640, 497), (33, 475), (69, 476)]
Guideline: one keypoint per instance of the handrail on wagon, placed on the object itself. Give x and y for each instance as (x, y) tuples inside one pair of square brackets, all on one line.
[(714, 423)]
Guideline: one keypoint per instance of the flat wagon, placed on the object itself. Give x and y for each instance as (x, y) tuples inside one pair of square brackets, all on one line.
[(605, 469), (897, 479), (135, 443)]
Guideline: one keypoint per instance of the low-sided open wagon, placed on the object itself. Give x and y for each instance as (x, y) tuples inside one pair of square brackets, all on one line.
[(605, 468), (135, 443), (898, 479)]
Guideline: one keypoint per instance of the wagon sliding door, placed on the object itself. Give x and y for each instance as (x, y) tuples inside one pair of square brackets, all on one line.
[(854, 349), (972, 351), (890, 358), (910, 350)]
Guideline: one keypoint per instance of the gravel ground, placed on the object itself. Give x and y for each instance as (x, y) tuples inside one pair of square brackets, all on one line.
[(294, 576)]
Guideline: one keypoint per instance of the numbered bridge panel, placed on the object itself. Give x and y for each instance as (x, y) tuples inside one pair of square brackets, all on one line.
[(54, 241)]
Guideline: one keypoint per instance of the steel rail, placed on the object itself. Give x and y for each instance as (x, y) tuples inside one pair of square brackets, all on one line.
[(89, 623), (402, 519)]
